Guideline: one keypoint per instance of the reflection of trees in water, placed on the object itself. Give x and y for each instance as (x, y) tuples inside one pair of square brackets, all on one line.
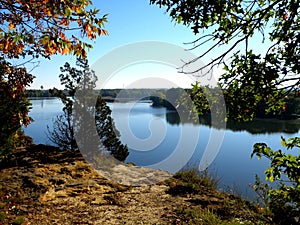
[(174, 118), (266, 126), (258, 126)]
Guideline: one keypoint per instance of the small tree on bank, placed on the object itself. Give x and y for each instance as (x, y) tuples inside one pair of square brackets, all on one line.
[(64, 126), (14, 105)]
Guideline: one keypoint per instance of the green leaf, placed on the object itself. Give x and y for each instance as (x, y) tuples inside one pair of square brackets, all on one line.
[(68, 12)]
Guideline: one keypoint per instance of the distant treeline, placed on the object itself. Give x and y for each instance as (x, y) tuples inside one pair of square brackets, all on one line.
[(32, 93), (105, 93), (120, 93), (169, 98)]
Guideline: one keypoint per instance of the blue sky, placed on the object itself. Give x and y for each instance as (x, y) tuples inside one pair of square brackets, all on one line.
[(128, 22)]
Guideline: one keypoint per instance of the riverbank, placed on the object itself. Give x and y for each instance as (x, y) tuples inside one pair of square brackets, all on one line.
[(42, 185)]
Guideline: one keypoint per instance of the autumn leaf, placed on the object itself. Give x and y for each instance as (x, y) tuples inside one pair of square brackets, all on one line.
[(90, 34), (65, 51), (37, 35), (11, 26), (65, 22), (78, 10), (86, 27), (62, 35), (20, 48), (104, 32)]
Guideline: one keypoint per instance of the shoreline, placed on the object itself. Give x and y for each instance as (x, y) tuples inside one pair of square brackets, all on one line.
[(47, 186)]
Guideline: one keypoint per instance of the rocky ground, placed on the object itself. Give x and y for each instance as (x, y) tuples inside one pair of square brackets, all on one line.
[(42, 185)]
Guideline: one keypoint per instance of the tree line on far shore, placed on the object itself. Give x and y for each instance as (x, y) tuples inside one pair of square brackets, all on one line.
[(163, 97)]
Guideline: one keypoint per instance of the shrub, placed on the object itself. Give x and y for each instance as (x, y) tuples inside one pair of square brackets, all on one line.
[(285, 168)]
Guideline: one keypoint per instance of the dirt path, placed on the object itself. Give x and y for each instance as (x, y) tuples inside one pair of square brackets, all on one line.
[(45, 186)]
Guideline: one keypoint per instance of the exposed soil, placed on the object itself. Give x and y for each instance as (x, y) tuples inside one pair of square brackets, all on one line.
[(42, 185)]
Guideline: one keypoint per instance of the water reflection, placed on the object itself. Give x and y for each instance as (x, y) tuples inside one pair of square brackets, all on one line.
[(258, 126)]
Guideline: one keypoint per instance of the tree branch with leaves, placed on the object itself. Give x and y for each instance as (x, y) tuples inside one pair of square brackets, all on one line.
[(232, 24), (33, 29)]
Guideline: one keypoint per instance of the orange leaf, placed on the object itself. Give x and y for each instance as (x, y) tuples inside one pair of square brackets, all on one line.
[(20, 48), (62, 35), (78, 10), (11, 26), (284, 108), (53, 44), (104, 32), (7, 44), (65, 51), (87, 27), (90, 34)]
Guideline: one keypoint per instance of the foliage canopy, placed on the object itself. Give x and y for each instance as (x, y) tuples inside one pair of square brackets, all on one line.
[(251, 78), (42, 27), (32, 29)]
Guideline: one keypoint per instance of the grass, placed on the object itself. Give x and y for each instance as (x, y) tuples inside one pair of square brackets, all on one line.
[(18, 220), (2, 216), (200, 216), (191, 181), (210, 206)]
